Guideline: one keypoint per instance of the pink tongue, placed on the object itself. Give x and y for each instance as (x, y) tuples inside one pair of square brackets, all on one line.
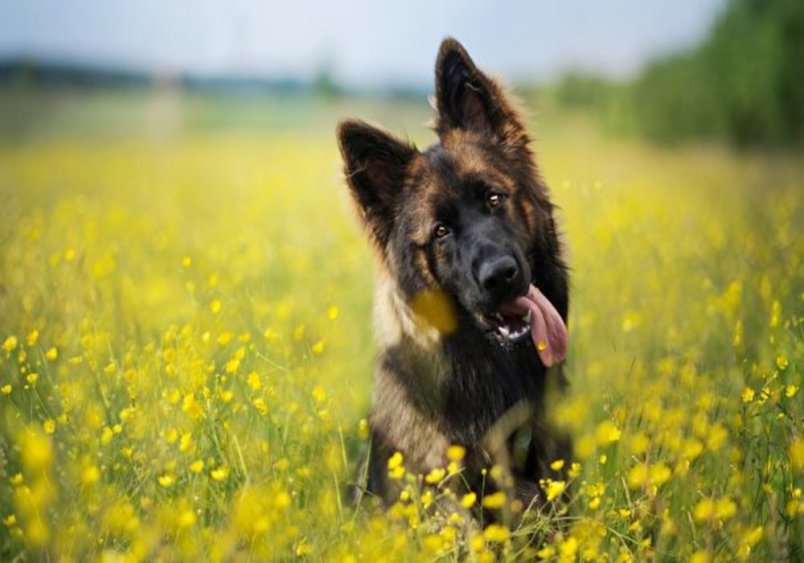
[(546, 326)]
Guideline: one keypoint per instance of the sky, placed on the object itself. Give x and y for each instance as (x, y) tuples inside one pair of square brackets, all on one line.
[(365, 44)]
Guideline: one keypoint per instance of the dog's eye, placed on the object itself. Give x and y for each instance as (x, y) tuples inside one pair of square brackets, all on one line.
[(494, 199), (441, 231)]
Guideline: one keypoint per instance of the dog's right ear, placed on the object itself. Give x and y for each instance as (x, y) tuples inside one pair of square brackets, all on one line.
[(375, 164), (469, 100)]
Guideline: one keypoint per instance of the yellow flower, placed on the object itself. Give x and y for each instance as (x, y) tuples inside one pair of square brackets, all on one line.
[(319, 394), (435, 475), (494, 500), (253, 381), (191, 407), (166, 480), (704, 510), (6, 389), (496, 533), (90, 474), (197, 466), (747, 395), (220, 473), (435, 309), (32, 337), (10, 343), (215, 306), (606, 433), (52, 353), (748, 541), (468, 500), (232, 366), (186, 442), (49, 426), (557, 465), (32, 378), (725, 508), (456, 452), (659, 474), (395, 460), (36, 451), (554, 489), (332, 312), (432, 543), (546, 552), (717, 436), (790, 391), (318, 348), (259, 404), (781, 362), (568, 548), (637, 476), (186, 519)]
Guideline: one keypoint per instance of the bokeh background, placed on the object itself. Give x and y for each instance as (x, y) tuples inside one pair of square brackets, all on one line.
[(185, 295), (709, 69)]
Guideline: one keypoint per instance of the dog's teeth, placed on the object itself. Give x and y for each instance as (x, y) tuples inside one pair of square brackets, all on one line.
[(526, 318), (504, 331)]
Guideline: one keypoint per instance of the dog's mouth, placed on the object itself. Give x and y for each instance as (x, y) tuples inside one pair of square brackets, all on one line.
[(507, 327), (531, 314)]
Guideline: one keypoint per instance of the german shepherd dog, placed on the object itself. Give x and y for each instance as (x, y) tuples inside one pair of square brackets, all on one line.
[(471, 296)]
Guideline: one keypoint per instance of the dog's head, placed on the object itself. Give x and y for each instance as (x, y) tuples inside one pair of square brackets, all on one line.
[(468, 217)]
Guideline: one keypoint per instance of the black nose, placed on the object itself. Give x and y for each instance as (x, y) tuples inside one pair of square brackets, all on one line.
[(498, 275)]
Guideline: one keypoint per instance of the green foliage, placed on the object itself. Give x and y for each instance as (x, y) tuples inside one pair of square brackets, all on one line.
[(744, 84)]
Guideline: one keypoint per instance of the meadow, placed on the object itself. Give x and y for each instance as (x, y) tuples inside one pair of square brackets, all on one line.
[(186, 350)]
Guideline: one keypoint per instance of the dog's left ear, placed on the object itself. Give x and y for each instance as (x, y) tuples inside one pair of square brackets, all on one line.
[(468, 99), (375, 164)]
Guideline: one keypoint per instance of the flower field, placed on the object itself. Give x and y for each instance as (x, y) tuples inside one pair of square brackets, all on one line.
[(186, 353)]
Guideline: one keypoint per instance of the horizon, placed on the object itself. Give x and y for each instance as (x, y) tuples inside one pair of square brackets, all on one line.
[(528, 43)]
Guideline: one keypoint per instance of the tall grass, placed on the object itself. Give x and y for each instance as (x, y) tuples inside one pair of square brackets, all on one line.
[(185, 358)]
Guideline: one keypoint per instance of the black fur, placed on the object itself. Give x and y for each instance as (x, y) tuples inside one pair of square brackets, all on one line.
[(470, 219)]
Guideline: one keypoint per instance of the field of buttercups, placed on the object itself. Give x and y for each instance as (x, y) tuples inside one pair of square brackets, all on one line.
[(186, 354)]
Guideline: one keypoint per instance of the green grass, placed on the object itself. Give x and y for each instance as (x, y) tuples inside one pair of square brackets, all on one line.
[(187, 352)]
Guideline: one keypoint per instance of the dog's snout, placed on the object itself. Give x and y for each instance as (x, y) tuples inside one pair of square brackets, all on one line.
[(498, 275)]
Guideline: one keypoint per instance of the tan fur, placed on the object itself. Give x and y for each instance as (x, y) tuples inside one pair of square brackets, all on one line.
[(463, 387)]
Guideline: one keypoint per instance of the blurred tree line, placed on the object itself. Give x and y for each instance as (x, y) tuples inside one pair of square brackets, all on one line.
[(744, 84)]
